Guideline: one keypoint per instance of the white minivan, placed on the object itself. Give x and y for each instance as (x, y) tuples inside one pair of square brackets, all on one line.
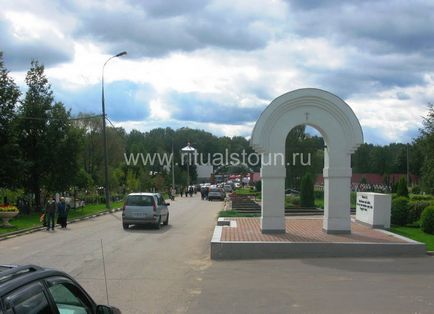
[(145, 208)]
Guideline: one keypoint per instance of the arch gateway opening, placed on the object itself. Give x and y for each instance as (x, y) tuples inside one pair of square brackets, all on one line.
[(342, 134)]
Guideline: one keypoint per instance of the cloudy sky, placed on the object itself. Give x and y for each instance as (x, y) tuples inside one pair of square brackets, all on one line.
[(216, 64)]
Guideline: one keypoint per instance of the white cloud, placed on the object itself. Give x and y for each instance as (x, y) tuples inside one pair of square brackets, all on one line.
[(239, 54)]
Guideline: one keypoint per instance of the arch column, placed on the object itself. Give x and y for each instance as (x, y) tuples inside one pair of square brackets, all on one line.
[(273, 199), (337, 190)]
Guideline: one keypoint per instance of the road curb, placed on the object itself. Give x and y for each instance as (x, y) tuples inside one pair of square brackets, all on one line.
[(15, 234)]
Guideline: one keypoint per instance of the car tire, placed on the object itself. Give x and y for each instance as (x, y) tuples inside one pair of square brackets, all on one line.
[(158, 224), (125, 226), (166, 222)]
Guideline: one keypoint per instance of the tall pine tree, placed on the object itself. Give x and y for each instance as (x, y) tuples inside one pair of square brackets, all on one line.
[(49, 143), (9, 155)]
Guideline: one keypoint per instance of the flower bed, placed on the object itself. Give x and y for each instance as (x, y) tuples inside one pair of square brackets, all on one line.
[(8, 208)]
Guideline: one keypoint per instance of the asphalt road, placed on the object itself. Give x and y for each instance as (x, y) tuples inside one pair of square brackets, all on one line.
[(148, 270), (169, 271)]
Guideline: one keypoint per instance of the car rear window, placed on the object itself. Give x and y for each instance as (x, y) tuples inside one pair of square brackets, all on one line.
[(214, 190), (139, 200)]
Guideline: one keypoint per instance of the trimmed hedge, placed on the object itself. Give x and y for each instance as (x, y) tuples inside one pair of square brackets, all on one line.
[(415, 210), (415, 190), (427, 220), (292, 200), (400, 210), (422, 197)]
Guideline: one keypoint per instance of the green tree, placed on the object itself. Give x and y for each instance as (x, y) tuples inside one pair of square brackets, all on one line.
[(300, 148), (307, 197), (402, 189), (65, 144), (132, 182), (426, 145), (33, 126), (9, 153), (49, 143), (83, 180)]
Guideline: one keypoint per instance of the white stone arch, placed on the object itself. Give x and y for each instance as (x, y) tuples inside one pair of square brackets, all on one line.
[(342, 134)]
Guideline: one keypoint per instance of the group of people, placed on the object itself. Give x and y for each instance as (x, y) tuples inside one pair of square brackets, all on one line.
[(188, 191), (53, 207)]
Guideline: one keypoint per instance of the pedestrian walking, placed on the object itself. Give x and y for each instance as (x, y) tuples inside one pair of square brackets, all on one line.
[(173, 193), (50, 212), (62, 212)]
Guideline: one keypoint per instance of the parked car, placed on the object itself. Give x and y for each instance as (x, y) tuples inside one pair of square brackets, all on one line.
[(145, 208), (216, 193), (34, 289), (228, 188), (291, 192)]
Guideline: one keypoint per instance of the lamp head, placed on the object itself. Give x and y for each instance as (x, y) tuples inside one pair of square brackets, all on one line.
[(121, 54)]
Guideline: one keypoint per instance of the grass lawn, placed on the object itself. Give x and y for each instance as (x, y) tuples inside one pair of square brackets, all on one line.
[(236, 213), (32, 220), (415, 234), (245, 191)]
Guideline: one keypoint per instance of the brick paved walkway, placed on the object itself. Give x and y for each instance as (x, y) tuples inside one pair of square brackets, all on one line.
[(303, 230)]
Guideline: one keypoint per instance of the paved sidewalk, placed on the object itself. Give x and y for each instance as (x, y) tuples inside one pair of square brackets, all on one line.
[(304, 230), (304, 237), (14, 234)]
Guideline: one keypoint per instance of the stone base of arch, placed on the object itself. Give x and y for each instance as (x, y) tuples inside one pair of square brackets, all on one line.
[(337, 182), (342, 134)]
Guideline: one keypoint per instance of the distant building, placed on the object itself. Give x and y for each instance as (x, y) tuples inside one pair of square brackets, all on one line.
[(204, 173), (375, 179)]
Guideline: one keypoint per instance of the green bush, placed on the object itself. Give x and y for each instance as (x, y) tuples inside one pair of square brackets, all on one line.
[(422, 197), (402, 189), (292, 201), (258, 186), (353, 199), (307, 198), (415, 210), (427, 220), (415, 189), (319, 194), (394, 187), (400, 211)]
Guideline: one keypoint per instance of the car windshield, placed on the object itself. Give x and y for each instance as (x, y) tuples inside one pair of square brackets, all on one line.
[(139, 200)]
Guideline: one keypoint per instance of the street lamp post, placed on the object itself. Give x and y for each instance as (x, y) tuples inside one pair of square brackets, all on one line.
[(188, 150), (173, 169), (106, 184)]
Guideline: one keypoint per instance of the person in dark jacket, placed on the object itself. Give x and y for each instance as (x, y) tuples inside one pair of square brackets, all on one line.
[(62, 212), (50, 212)]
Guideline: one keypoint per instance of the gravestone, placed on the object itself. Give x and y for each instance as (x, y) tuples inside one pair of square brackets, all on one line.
[(374, 209)]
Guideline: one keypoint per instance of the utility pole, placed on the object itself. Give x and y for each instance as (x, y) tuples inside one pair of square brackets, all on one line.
[(408, 174)]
